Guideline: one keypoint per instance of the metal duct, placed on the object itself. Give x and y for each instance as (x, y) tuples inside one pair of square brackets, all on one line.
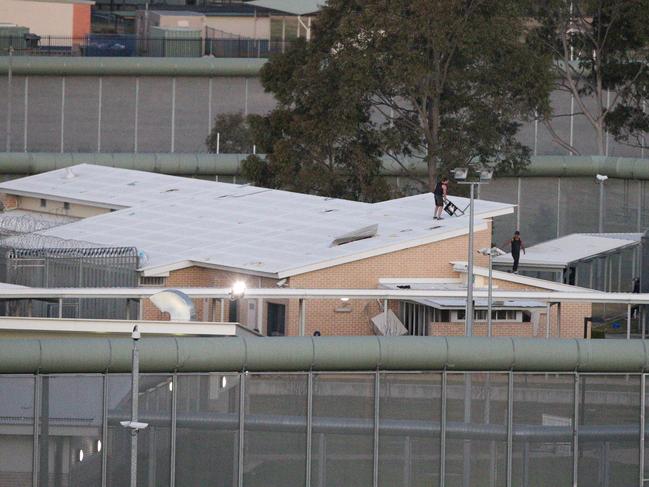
[(368, 353), (176, 303)]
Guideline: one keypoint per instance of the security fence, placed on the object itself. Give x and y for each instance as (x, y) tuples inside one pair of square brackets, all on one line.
[(323, 429), (129, 45), (69, 267)]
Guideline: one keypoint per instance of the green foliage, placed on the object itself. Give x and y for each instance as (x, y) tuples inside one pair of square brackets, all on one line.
[(441, 80), (600, 53), (231, 133)]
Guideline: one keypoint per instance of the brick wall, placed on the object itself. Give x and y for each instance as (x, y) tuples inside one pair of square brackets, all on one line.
[(9, 201), (425, 261), (208, 309), (333, 317)]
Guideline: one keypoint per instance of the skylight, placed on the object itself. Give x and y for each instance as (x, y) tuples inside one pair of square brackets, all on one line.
[(360, 234)]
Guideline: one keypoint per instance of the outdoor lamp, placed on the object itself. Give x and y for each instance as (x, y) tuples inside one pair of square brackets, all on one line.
[(238, 290), (486, 174), (460, 173)]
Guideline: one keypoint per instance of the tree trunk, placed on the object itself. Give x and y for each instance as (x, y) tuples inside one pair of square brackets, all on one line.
[(432, 142)]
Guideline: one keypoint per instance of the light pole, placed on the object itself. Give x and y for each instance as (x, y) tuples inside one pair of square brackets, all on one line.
[(133, 424), (9, 100), (601, 179), (490, 252), (460, 175)]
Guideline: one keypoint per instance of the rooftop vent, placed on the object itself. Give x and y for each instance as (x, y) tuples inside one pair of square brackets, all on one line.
[(360, 234)]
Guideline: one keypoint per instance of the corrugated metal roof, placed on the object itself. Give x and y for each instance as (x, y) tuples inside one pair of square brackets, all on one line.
[(294, 7), (560, 252), (182, 221)]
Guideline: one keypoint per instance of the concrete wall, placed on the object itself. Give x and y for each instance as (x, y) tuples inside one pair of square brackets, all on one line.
[(98, 114), (251, 27)]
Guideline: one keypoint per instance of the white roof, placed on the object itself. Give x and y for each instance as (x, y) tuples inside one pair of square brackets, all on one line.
[(454, 303), (520, 279), (295, 7), (178, 222), (560, 252)]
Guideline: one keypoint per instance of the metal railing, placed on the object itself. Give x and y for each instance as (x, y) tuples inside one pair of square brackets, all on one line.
[(127, 45)]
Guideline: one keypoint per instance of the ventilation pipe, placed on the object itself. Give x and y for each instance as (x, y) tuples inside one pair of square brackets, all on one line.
[(179, 306)]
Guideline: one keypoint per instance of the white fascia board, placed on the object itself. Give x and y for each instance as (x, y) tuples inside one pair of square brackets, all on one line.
[(59, 325), (419, 280), (575, 295), (163, 270), (494, 213), (62, 199), (380, 251), (517, 278)]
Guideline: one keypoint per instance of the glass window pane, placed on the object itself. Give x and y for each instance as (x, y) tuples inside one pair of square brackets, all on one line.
[(543, 416), (70, 430), (16, 431), (409, 426), (475, 400), (207, 430), (343, 430), (609, 441), (275, 430)]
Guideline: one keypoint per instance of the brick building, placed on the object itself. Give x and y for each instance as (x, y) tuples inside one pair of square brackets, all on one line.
[(196, 233)]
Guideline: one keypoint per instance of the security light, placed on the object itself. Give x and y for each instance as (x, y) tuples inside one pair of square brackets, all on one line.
[(224, 382), (486, 174), (136, 333), (238, 290), (460, 173), (493, 251), (601, 178), (134, 425)]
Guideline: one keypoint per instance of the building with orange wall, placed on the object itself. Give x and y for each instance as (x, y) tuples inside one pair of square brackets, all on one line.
[(57, 18)]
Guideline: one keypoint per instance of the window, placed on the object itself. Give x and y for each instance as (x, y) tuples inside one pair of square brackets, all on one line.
[(415, 317), (275, 324), (233, 315), (496, 315), (152, 281), (43, 203), (66, 205)]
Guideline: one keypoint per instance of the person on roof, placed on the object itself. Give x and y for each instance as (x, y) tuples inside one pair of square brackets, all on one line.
[(440, 192), (517, 245)]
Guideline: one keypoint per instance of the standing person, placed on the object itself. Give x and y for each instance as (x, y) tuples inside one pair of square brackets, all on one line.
[(440, 192), (517, 245)]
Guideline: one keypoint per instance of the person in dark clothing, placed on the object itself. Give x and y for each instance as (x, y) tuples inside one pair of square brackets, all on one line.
[(440, 192), (516, 243)]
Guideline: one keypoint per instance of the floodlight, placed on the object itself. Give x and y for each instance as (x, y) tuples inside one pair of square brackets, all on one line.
[(134, 425), (601, 178), (493, 251), (486, 174), (460, 173), (135, 335), (238, 290)]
